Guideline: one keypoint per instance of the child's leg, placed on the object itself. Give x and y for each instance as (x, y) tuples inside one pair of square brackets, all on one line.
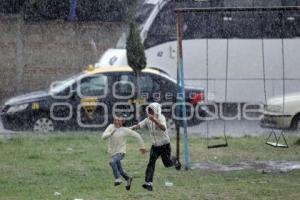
[(166, 155), (154, 154), (167, 159), (120, 168), (114, 165)]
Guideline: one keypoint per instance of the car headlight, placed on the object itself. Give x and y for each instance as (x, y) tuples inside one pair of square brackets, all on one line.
[(273, 108), (17, 108)]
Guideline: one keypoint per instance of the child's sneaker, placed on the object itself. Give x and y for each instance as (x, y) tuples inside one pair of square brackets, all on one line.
[(176, 163), (118, 182), (148, 186), (128, 185)]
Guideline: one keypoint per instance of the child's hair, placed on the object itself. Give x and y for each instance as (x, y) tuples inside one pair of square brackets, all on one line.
[(120, 115), (123, 116), (148, 109)]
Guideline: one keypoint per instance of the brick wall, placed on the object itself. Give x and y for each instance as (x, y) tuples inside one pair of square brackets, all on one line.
[(32, 55)]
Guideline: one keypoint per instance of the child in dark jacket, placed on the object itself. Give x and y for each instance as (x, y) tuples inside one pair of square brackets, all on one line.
[(156, 123)]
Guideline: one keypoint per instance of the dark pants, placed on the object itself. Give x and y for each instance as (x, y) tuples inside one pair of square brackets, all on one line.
[(116, 166), (165, 152)]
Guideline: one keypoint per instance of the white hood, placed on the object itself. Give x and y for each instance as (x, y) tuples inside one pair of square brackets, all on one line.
[(291, 104), (159, 137), (156, 107), (278, 100)]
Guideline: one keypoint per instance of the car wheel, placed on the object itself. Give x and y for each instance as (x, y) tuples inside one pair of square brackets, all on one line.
[(296, 123), (43, 125), (171, 126)]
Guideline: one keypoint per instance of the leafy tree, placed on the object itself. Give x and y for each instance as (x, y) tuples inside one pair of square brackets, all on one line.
[(135, 49)]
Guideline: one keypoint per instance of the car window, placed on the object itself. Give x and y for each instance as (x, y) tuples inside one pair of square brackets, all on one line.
[(226, 25), (157, 84), (146, 84), (149, 84), (125, 85), (95, 85), (142, 13), (163, 28)]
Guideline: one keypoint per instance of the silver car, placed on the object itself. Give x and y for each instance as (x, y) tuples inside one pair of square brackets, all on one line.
[(282, 112)]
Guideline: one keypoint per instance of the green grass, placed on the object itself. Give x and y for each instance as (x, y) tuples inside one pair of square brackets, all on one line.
[(76, 165)]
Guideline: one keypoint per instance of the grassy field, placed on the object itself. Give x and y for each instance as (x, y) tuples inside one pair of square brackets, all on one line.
[(76, 166)]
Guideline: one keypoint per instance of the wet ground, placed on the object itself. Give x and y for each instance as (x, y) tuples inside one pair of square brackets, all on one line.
[(261, 166), (234, 128)]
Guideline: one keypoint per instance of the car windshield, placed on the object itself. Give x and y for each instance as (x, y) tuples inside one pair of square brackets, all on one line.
[(59, 86), (142, 13)]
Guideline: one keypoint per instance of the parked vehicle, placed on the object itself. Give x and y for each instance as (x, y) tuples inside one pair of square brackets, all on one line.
[(89, 99), (282, 112)]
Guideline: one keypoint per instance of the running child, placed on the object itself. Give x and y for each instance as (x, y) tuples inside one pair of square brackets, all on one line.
[(117, 134), (156, 123)]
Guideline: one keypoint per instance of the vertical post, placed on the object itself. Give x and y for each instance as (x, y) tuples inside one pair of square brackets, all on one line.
[(177, 110), (72, 12), (283, 59), (177, 141), (182, 89)]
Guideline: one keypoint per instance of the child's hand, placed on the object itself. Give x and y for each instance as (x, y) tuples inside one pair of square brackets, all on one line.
[(113, 132), (143, 151), (134, 127), (151, 117)]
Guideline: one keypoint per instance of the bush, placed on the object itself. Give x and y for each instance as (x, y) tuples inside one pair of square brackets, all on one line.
[(11, 6), (35, 10), (103, 10)]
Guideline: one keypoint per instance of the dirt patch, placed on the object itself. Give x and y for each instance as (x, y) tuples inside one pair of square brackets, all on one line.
[(261, 166)]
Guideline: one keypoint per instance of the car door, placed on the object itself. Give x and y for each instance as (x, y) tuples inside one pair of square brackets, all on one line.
[(149, 92), (93, 99), (123, 95), (164, 91)]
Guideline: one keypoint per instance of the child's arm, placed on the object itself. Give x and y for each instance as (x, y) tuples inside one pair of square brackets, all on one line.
[(161, 125), (142, 124), (132, 133), (109, 131)]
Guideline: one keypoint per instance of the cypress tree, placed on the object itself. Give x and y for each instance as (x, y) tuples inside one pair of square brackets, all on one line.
[(135, 56), (135, 49)]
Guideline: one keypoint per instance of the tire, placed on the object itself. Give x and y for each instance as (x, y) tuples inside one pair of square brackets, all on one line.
[(296, 123), (43, 124)]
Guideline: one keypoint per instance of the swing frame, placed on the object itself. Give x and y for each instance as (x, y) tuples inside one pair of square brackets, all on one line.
[(180, 12), (277, 139), (275, 142)]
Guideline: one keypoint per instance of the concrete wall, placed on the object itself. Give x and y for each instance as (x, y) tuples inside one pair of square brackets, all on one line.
[(33, 55)]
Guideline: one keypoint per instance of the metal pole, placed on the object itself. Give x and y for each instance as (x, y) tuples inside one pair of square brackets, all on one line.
[(72, 13), (177, 141), (177, 110), (182, 90)]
